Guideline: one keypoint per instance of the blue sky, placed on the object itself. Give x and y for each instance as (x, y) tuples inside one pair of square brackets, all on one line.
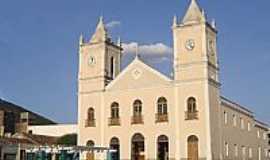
[(39, 47)]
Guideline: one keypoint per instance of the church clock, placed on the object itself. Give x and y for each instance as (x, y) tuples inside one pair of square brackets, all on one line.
[(91, 61), (190, 44)]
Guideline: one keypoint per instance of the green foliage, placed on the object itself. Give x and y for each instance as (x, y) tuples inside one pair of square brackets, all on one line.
[(68, 139)]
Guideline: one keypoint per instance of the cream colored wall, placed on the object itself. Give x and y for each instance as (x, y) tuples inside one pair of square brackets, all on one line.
[(150, 130), (54, 130)]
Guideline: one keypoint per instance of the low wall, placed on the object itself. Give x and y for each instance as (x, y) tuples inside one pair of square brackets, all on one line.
[(53, 130)]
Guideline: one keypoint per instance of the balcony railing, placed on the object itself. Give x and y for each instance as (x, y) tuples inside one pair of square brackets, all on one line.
[(192, 115), (90, 123), (138, 119), (161, 118), (114, 121)]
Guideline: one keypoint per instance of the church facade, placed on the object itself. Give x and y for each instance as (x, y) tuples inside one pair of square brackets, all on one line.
[(143, 114)]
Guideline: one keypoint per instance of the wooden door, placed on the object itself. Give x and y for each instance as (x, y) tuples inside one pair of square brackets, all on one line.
[(90, 156), (193, 153)]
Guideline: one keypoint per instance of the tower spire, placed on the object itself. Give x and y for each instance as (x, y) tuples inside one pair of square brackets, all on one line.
[(119, 41), (101, 32), (194, 13), (81, 41), (175, 23), (137, 51)]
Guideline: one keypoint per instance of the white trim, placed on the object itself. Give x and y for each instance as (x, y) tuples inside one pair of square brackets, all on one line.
[(208, 121), (130, 66)]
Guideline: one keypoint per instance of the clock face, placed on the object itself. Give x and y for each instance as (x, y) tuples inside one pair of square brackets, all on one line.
[(190, 44), (91, 61)]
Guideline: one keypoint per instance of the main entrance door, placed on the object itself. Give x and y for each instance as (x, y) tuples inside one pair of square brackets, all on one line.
[(193, 148), (90, 155), (163, 148), (115, 145), (137, 147)]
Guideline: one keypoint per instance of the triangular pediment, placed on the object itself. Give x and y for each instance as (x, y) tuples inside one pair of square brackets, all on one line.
[(138, 75)]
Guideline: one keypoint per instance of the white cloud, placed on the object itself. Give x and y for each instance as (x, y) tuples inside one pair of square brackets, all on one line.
[(156, 49), (113, 24)]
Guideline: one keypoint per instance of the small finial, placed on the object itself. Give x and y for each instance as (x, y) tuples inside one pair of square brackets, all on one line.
[(101, 18), (81, 41), (175, 21), (119, 42), (137, 51), (213, 24)]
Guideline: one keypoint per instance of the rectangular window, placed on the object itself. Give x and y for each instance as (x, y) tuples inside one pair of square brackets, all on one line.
[(235, 150), (242, 123), (248, 126), (234, 120), (264, 136), (250, 153), (259, 153), (225, 117), (226, 149), (243, 151)]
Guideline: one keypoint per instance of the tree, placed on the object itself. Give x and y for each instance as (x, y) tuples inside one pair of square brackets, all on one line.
[(68, 139)]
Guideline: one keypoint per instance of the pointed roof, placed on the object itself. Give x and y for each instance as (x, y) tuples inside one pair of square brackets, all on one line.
[(101, 33), (194, 13)]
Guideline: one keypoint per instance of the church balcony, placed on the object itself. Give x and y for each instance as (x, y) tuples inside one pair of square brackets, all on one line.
[(114, 121), (90, 123), (161, 118), (138, 119), (192, 115)]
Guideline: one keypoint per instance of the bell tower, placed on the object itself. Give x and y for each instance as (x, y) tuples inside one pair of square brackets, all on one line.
[(196, 75), (99, 64), (195, 46), (99, 60)]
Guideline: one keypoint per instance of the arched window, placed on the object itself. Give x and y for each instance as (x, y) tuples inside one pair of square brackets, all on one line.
[(90, 121), (90, 143), (193, 147), (91, 114), (112, 67), (114, 120), (162, 110), (191, 105), (137, 117), (137, 108), (115, 110), (162, 106), (192, 112)]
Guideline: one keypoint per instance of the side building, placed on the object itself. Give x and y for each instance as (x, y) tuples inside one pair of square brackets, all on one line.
[(14, 118)]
